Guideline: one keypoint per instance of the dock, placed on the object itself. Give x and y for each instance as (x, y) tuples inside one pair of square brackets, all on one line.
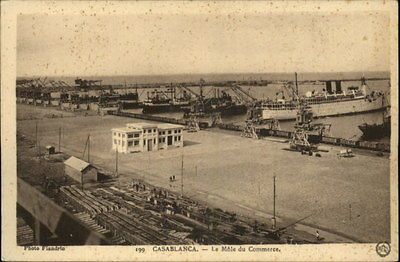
[(265, 132), (162, 119)]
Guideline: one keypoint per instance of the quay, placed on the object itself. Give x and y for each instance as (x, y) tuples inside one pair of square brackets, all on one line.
[(163, 119), (264, 132)]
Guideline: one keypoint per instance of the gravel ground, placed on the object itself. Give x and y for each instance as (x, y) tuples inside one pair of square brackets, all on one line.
[(348, 196)]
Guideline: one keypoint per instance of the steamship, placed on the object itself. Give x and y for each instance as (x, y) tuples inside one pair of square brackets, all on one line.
[(326, 103), (165, 101)]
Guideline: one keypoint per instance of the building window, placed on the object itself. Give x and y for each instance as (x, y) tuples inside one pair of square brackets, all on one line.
[(163, 140), (123, 135), (144, 131), (154, 140), (169, 132), (154, 130), (136, 135), (115, 141), (119, 134), (144, 142), (175, 131), (159, 140), (163, 132), (130, 135), (130, 143), (175, 138), (159, 133), (123, 143), (179, 138), (179, 131), (115, 134), (136, 143)]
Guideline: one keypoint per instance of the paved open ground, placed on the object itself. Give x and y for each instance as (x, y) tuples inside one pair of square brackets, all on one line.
[(237, 172)]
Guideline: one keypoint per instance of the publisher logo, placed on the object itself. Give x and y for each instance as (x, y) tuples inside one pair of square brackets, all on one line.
[(383, 249)]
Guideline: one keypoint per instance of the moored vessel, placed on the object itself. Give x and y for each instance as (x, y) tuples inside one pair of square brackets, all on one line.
[(159, 101), (374, 131), (326, 103)]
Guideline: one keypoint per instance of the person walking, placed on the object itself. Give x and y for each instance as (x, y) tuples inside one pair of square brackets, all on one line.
[(317, 235)]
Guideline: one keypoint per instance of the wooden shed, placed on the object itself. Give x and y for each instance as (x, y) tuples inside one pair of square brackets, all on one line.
[(79, 170), (50, 150)]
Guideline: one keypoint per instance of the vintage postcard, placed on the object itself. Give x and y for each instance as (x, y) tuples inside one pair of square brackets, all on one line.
[(199, 130)]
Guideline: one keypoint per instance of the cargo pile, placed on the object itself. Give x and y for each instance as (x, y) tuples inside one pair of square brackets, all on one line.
[(140, 214)]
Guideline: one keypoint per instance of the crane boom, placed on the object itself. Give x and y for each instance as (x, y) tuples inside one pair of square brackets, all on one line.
[(244, 95), (189, 90)]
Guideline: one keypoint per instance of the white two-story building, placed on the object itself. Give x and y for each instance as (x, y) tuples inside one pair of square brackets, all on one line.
[(139, 137)]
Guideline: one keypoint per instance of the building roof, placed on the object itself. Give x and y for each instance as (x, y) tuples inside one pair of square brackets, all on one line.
[(142, 125), (125, 130), (168, 126), (76, 163)]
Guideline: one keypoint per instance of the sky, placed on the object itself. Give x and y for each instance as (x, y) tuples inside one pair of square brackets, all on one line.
[(147, 44)]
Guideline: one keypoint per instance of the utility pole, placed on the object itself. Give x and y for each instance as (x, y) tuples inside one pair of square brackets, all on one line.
[(59, 139), (39, 149), (82, 181), (297, 86), (350, 211), (116, 161), (88, 155), (36, 134), (274, 217), (182, 177)]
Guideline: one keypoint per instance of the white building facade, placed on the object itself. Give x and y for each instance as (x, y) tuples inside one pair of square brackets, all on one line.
[(141, 137)]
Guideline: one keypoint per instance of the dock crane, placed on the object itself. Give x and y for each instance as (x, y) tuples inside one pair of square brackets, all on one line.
[(183, 87), (243, 95), (253, 113), (304, 125)]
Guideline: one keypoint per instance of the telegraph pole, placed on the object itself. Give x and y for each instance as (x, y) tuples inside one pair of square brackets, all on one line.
[(350, 211), (182, 177), (297, 86), (59, 139), (36, 134), (274, 217), (116, 161), (88, 155)]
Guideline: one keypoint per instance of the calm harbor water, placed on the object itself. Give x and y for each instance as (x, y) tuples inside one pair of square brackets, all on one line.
[(341, 126)]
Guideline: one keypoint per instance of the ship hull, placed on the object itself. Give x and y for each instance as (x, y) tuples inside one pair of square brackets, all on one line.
[(130, 104), (232, 110), (150, 109), (374, 131), (329, 109)]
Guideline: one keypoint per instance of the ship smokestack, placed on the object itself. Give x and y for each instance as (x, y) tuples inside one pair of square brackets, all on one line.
[(329, 87), (338, 87)]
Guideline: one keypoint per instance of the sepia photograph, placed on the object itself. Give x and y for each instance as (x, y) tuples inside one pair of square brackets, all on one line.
[(194, 127)]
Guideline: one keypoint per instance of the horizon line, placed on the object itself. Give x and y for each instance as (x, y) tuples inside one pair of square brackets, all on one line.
[(176, 74)]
